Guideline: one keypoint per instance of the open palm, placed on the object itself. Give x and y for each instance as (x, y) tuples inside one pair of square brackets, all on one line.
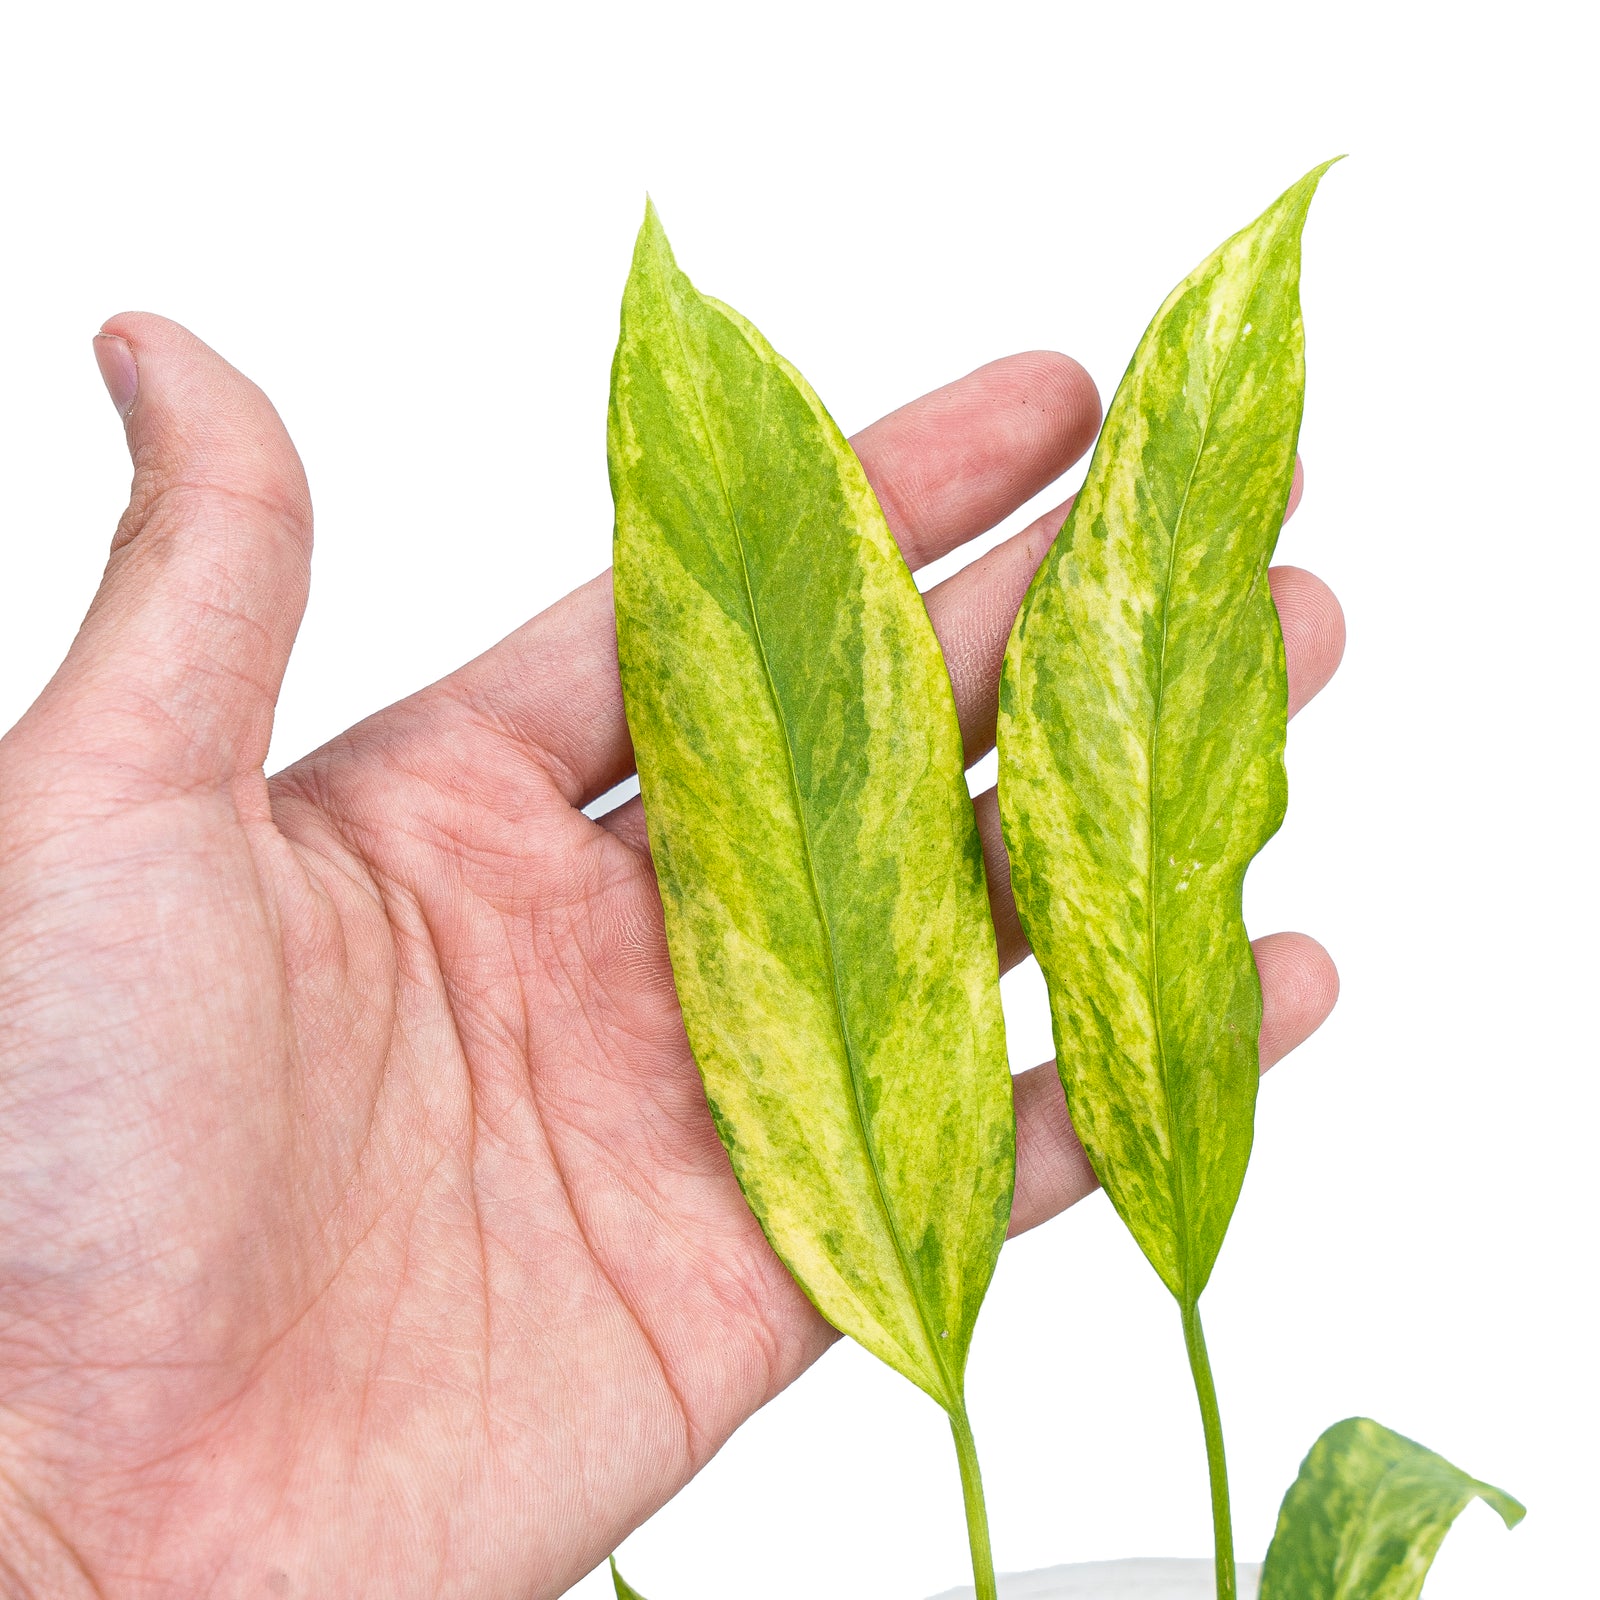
[(363, 1230)]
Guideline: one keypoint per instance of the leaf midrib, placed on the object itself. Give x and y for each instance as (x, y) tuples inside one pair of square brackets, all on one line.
[(933, 1351), (1179, 1187)]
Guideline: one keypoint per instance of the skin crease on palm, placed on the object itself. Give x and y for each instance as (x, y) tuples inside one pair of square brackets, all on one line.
[(363, 1230)]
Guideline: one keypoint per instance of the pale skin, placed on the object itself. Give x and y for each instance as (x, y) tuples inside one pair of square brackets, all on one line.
[(363, 1230)]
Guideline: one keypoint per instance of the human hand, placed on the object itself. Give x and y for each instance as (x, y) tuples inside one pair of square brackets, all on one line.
[(363, 1229)]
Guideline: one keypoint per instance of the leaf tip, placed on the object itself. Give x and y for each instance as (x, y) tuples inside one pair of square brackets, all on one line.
[(1318, 172), (1511, 1510), (652, 244), (623, 1589)]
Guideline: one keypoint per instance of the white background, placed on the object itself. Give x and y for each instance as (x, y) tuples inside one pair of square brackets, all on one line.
[(411, 225)]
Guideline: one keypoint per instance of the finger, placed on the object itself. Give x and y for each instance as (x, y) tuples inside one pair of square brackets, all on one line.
[(1297, 487), (945, 468), (1299, 985), (553, 690), (178, 663), (1313, 631), (951, 465), (972, 612)]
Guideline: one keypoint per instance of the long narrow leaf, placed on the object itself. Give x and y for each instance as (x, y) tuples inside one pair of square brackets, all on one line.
[(1366, 1516), (1141, 732), (820, 872)]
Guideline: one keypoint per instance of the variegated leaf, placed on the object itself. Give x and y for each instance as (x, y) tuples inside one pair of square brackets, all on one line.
[(624, 1589), (1141, 732), (1366, 1516), (801, 768)]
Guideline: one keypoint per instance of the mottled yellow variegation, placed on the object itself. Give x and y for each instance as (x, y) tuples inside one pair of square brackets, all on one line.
[(802, 773), (1142, 712), (1366, 1516)]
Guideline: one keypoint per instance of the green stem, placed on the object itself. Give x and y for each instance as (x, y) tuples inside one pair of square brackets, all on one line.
[(1216, 1462), (977, 1514)]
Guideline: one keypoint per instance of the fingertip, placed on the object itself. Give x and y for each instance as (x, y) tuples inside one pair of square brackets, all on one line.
[(126, 324), (119, 370), (145, 330), (955, 462), (1063, 385), (1299, 988), (1297, 487), (1313, 627), (1058, 391), (193, 404)]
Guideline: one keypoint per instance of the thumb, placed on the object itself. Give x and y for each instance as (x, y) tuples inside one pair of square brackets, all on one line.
[(176, 670)]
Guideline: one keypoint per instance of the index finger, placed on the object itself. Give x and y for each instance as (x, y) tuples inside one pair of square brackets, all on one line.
[(956, 462)]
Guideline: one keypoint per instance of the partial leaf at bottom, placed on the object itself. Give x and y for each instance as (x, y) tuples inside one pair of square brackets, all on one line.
[(624, 1590), (1366, 1516), (802, 774)]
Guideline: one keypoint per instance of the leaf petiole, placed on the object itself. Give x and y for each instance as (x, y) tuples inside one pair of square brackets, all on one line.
[(977, 1512), (1205, 1389)]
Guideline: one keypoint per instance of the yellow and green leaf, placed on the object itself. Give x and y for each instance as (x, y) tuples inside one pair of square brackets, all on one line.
[(624, 1589), (1142, 713), (820, 872), (1142, 710), (1366, 1516)]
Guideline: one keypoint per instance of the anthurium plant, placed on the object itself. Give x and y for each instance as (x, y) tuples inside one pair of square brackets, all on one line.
[(823, 887)]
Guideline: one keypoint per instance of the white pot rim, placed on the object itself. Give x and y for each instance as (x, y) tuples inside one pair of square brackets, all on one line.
[(1158, 1578)]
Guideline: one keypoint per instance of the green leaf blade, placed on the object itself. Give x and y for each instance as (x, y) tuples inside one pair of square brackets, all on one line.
[(624, 1590), (1142, 715), (1366, 1516), (820, 872)]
